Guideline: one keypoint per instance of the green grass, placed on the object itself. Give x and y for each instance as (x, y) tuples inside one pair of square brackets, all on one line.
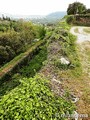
[(76, 30), (87, 30)]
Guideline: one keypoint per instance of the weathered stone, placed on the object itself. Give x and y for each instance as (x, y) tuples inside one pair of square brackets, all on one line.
[(64, 61)]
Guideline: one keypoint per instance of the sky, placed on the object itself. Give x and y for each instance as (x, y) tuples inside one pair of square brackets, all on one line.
[(36, 7)]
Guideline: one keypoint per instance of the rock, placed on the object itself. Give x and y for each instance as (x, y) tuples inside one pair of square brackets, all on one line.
[(56, 80), (35, 40), (74, 100), (64, 61)]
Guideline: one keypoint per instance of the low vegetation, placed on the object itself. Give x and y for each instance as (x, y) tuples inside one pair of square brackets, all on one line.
[(35, 64), (76, 30), (68, 49), (16, 37), (14, 65), (79, 20), (33, 99), (87, 30), (37, 89), (28, 69)]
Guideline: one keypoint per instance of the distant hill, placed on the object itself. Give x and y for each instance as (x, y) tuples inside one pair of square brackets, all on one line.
[(50, 18), (56, 15), (44, 19)]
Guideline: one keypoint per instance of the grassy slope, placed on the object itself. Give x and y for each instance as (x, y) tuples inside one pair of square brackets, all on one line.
[(26, 71), (35, 64), (31, 98), (9, 66)]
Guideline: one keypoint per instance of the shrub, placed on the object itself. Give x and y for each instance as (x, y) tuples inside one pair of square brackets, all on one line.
[(4, 56), (70, 19), (41, 31), (11, 45), (35, 64), (10, 51)]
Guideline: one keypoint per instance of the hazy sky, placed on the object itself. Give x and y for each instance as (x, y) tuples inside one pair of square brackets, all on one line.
[(36, 7)]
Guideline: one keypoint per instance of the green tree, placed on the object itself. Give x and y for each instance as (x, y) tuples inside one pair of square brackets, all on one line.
[(76, 8), (88, 11)]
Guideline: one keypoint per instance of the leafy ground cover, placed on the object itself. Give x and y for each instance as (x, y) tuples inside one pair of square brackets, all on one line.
[(33, 100)]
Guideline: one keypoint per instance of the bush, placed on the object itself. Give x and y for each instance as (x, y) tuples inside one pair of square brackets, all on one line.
[(4, 56), (18, 36), (10, 51), (35, 64), (70, 19), (41, 31), (11, 45)]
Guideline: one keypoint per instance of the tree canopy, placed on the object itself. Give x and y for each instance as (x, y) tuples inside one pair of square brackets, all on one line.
[(76, 8)]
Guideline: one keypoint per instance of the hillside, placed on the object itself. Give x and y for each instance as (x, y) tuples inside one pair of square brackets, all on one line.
[(16, 37), (52, 82), (50, 18), (56, 15)]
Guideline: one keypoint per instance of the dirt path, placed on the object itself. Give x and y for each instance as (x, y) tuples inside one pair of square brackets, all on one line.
[(81, 86), (81, 33)]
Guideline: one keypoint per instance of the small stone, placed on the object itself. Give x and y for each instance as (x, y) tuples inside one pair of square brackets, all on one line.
[(64, 61), (74, 100), (56, 81)]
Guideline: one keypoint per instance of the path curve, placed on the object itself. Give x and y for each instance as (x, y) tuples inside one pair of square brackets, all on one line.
[(82, 36)]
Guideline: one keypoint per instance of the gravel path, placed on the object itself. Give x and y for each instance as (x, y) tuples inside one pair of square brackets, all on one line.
[(82, 36)]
